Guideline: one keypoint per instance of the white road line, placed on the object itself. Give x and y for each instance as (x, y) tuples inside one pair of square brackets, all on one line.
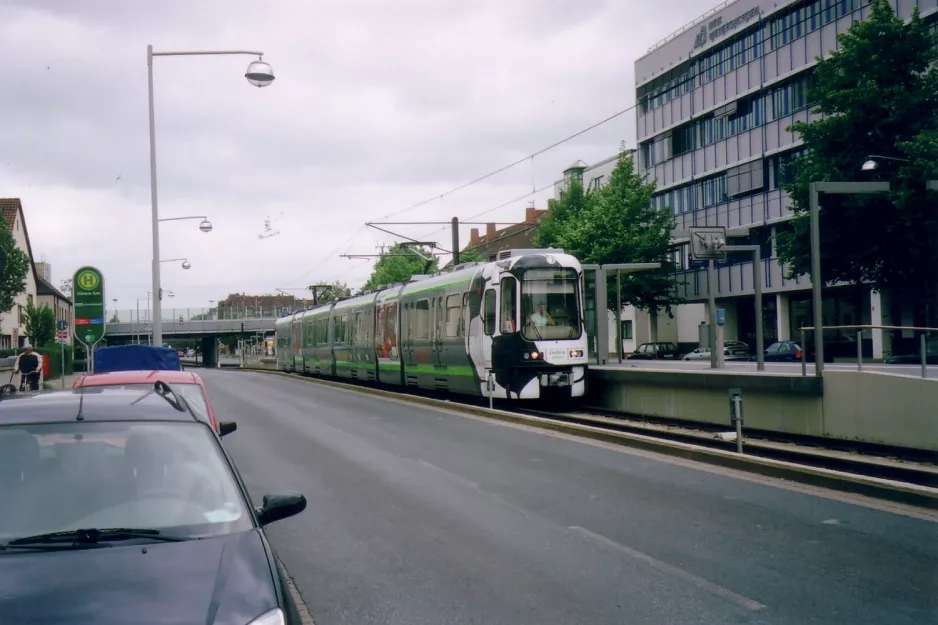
[(699, 582)]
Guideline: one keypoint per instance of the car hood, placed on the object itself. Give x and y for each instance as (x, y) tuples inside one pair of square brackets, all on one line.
[(224, 579)]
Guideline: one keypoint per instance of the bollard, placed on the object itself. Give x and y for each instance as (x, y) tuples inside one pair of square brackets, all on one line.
[(804, 356), (860, 350), (491, 387), (736, 414), (924, 360)]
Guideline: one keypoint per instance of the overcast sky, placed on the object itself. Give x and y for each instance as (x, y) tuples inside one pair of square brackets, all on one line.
[(377, 105)]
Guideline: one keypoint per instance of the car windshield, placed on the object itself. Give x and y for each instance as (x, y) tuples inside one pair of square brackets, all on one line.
[(192, 393), (166, 476), (549, 304)]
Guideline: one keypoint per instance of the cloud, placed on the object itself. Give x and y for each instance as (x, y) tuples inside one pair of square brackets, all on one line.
[(376, 106)]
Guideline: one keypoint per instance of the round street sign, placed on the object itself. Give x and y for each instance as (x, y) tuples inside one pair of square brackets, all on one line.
[(88, 297)]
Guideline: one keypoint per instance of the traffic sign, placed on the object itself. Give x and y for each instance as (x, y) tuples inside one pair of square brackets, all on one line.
[(708, 243), (63, 336), (88, 289), (63, 324)]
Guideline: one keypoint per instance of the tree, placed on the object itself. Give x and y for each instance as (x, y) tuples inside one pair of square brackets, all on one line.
[(877, 96), (40, 324), (398, 264), (471, 255), (14, 264), (334, 292), (617, 224)]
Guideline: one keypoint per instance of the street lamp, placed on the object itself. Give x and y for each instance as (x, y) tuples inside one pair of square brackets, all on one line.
[(260, 74), (205, 225), (870, 164), (185, 265)]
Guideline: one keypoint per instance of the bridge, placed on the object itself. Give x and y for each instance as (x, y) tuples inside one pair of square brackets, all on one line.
[(174, 328)]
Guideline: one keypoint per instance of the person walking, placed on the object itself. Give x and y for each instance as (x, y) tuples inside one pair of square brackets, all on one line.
[(29, 365)]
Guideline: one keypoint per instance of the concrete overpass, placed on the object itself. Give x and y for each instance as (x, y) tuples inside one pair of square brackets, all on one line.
[(208, 331), (173, 328)]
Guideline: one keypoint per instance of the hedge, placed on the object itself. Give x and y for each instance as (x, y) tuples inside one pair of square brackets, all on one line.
[(53, 353)]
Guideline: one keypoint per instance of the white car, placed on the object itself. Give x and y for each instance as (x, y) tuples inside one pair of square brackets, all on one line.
[(732, 350)]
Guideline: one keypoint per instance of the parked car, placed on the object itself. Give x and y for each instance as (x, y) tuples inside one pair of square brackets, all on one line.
[(790, 351), (186, 383), (654, 351), (732, 350), (127, 509)]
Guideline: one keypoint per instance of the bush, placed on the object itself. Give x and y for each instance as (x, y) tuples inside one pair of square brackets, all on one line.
[(53, 353)]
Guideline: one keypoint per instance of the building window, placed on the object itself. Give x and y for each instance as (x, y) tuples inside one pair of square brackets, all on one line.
[(627, 330)]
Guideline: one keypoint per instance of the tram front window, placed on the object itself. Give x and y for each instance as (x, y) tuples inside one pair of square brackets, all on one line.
[(549, 304)]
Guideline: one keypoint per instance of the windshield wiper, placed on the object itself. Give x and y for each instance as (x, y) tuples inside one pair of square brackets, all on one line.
[(92, 536)]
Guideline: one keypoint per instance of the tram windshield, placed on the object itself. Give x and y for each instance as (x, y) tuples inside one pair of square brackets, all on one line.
[(550, 304)]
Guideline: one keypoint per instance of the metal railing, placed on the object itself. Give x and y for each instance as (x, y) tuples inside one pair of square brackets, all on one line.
[(923, 343), (182, 315)]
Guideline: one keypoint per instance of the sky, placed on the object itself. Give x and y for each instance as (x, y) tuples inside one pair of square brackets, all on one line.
[(377, 106)]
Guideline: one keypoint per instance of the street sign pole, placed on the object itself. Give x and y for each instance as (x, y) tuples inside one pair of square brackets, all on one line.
[(90, 318), (708, 244)]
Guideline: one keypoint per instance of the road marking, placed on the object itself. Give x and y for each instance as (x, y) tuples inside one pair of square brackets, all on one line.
[(831, 522), (699, 582)]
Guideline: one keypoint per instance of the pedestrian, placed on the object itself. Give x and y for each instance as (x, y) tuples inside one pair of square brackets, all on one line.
[(29, 365)]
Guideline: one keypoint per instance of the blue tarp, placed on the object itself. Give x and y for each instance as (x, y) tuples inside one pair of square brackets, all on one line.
[(135, 358)]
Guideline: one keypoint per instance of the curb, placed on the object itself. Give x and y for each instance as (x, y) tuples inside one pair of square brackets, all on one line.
[(899, 492)]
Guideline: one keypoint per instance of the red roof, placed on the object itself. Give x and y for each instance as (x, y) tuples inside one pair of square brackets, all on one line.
[(137, 377), (10, 208)]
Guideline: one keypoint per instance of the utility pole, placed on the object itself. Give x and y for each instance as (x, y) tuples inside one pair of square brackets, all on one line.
[(315, 290), (455, 241)]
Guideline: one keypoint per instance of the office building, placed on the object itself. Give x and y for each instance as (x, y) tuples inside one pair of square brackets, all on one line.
[(715, 100)]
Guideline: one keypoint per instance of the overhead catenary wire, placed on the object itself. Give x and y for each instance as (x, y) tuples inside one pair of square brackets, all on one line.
[(504, 168)]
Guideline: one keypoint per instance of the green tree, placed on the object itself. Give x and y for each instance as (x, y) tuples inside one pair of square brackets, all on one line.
[(40, 324), (617, 224), (877, 95), (14, 265), (334, 292), (471, 255), (398, 264)]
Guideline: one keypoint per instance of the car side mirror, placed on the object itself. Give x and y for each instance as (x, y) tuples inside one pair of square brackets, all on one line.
[(226, 427), (277, 507)]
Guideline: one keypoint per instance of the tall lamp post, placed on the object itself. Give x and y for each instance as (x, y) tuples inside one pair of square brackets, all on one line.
[(259, 74)]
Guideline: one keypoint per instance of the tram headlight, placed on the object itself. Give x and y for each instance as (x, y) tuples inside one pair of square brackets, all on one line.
[(531, 355), (576, 353)]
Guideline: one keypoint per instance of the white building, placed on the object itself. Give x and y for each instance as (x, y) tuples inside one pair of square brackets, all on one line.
[(13, 322)]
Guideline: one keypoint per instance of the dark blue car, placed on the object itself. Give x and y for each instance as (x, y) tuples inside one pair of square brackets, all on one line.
[(120, 506)]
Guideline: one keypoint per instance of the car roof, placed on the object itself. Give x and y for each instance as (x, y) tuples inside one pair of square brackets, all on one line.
[(97, 404), (138, 377)]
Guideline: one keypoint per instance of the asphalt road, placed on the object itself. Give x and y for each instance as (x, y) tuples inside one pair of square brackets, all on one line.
[(420, 516)]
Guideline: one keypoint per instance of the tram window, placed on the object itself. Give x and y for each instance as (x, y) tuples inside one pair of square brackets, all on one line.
[(489, 309), (340, 328), (509, 322), (453, 306), (422, 320), (359, 328)]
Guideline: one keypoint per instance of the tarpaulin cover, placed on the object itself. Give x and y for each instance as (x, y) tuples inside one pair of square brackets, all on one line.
[(135, 358)]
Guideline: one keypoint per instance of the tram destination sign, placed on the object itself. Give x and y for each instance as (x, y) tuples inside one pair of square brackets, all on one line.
[(88, 299)]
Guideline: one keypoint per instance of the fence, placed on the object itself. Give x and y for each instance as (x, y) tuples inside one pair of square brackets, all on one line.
[(921, 358), (181, 315)]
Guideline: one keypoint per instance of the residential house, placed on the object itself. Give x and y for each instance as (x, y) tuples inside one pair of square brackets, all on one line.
[(47, 294), (13, 322)]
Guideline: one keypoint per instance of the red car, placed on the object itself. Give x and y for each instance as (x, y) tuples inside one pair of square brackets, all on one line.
[(186, 383)]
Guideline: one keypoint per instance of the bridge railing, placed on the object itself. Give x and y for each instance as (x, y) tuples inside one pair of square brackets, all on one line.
[(182, 315)]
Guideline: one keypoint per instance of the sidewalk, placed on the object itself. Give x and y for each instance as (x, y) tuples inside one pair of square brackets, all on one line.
[(55, 384)]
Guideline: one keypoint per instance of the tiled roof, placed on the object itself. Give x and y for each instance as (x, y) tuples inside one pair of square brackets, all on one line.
[(10, 207), (518, 236), (44, 287)]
